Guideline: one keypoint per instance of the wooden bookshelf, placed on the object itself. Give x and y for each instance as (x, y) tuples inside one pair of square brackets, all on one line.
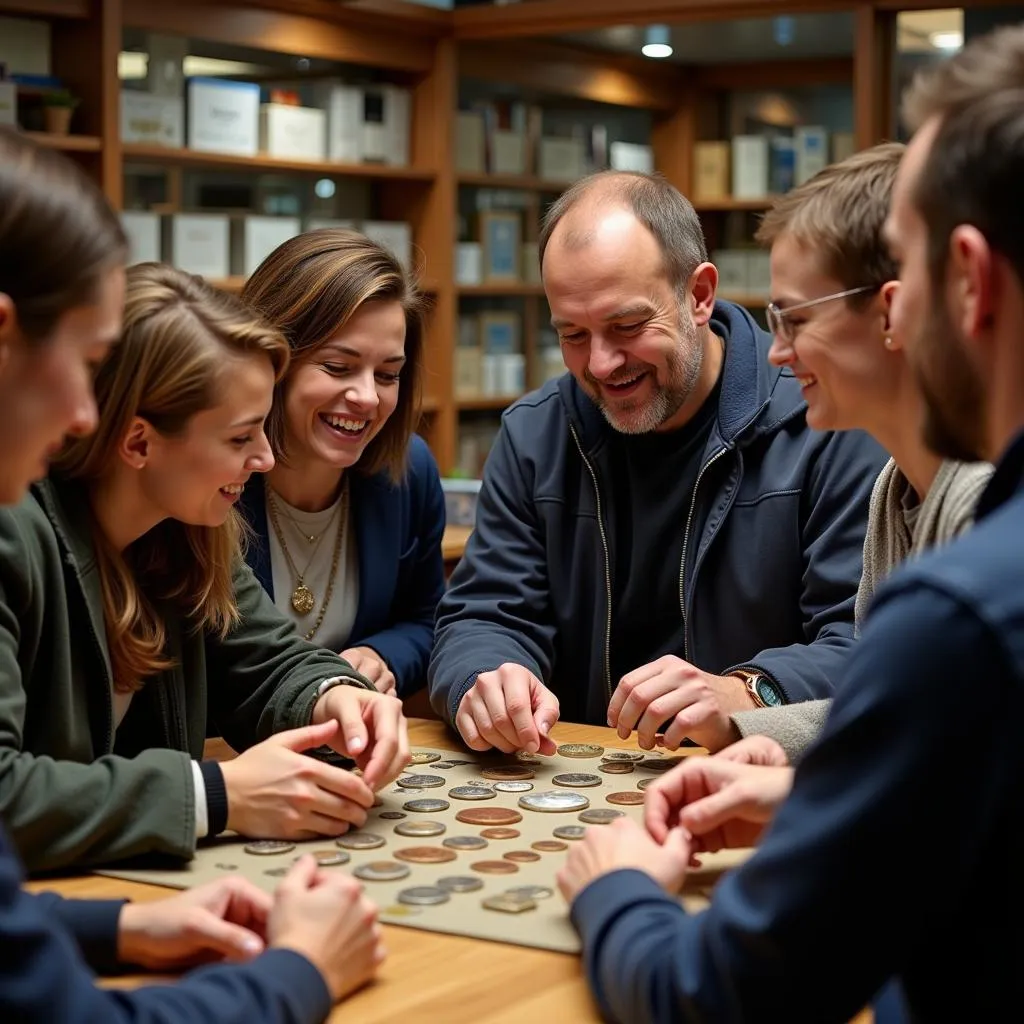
[(518, 182), (486, 404), (68, 143), (501, 288), (728, 204)]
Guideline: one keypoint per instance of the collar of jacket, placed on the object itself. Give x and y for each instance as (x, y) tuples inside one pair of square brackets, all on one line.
[(1006, 481), (745, 406), (66, 504)]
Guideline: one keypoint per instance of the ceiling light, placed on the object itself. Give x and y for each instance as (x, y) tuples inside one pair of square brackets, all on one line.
[(947, 40), (656, 42)]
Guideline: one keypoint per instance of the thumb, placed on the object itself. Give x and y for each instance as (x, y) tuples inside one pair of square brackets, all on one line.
[(702, 816), (679, 843), (230, 941), (300, 877), (307, 737)]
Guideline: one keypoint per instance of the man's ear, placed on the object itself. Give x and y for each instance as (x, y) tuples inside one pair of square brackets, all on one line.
[(136, 445), (701, 290), (887, 294)]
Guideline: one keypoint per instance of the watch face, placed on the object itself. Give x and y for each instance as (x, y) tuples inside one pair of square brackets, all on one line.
[(769, 693)]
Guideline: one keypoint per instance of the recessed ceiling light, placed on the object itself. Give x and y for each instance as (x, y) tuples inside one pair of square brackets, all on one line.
[(947, 40), (656, 44)]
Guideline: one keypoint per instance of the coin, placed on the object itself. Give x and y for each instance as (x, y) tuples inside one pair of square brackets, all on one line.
[(508, 904), (471, 793), (421, 781), (521, 856), (644, 783), (599, 816), (428, 806), (500, 833), (464, 842), (659, 764), (425, 854), (268, 847), (360, 841), (391, 815), (381, 871), (459, 883), (529, 892), (554, 800), (549, 846), (489, 816), (509, 772), (629, 798), (276, 872), (513, 787), (615, 767), (580, 750), (569, 832), (330, 858), (449, 763), (494, 867), (527, 758), (423, 829), (423, 757), (623, 755), (423, 896), (576, 780)]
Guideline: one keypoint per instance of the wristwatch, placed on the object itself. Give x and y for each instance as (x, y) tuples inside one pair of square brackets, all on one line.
[(764, 691)]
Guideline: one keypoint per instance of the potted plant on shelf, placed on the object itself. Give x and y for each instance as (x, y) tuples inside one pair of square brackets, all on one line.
[(58, 106)]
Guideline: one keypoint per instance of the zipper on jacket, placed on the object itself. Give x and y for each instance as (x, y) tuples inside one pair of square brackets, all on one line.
[(686, 544), (607, 568)]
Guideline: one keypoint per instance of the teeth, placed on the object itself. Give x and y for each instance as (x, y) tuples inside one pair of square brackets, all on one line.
[(623, 383), (345, 424), (806, 381), (233, 489)]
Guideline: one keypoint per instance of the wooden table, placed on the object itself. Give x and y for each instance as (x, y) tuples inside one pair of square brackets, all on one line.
[(432, 977), (453, 544)]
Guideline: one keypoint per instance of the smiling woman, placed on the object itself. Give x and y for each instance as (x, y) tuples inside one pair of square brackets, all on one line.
[(348, 524)]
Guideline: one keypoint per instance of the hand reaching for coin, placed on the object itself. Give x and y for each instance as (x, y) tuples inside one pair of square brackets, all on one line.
[(367, 662), (509, 708), (325, 918)]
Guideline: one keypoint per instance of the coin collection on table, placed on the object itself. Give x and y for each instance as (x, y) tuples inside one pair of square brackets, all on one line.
[(464, 845)]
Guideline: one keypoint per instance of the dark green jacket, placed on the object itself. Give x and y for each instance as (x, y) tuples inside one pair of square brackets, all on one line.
[(71, 792)]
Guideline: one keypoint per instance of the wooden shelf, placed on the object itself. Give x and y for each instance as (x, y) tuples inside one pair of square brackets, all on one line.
[(728, 204), (67, 143), (749, 299), (499, 288), (430, 404), (193, 158), (524, 182), (496, 402)]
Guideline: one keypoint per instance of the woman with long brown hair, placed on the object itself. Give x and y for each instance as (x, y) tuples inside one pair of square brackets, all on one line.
[(348, 524), (134, 628)]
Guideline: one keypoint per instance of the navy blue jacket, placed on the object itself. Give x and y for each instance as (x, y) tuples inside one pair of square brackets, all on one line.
[(401, 571), (899, 851), (772, 552), (44, 979)]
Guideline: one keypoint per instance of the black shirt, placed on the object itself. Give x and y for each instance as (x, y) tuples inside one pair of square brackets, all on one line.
[(654, 477)]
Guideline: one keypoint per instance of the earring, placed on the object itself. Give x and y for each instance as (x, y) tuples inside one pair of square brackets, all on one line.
[(888, 341)]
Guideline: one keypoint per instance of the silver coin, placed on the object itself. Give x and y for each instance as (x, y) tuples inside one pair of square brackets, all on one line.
[(360, 841), (392, 815), (513, 787), (423, 896), (529, 892), (508, 904), (576, 780), (623, 755), (644, 783), (426, 806), (382, 871), (421, 781), (554, 800), (580, 750), (423, 757), (464, 842), (599, 816), (659, 764), (449, 763), (569, 832), (471, 793), (459, 883), (268, 847), (420, 828)]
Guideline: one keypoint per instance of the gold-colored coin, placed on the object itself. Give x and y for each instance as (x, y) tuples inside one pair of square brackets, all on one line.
[(425, 854), (494, 867), (549, 846), (580, 750), (500, 833), (488, 816), (508, 904), (521, 856)]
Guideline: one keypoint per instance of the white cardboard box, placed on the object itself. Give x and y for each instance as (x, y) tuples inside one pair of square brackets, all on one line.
[(811, 144), (293, 133), (155, 120), (393, 235), (8, 103), (366, 124), (200, 244), (343, 105), (628, 156), (469, 263), (224, 116), (144, 236), (749, 166), (255, 237)]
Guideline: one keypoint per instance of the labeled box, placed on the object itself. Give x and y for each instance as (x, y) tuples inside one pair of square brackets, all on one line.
[(293, 133), (255, 237), (199, 243), (145, 243), (223, 116), (750, 167), (151, 119), (711, 163), (396, 236), (811, 144)]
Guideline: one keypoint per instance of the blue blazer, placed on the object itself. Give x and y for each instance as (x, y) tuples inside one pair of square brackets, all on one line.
[(401, 571)]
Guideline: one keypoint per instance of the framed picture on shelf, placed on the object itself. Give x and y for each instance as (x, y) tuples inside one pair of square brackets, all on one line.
[(500, 239)]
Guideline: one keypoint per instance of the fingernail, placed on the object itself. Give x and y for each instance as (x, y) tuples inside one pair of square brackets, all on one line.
[(355, 746), (252, 945)]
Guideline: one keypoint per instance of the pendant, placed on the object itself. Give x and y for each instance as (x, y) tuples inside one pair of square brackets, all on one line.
[(302, 599)]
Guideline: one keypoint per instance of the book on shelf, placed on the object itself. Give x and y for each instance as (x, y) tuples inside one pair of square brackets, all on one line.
[(782, 164), (291, 132), (711, 170), (629, 156), (811, 143), (750, 166)]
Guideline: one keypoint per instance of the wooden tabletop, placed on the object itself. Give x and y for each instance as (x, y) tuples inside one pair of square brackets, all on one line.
[(430, 976), (454, 542)]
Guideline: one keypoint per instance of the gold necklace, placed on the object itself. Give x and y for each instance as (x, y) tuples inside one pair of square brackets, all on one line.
[(311, 537), (303, 600)]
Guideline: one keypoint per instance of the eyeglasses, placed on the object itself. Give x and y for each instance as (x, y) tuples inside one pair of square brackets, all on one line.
[(778, 319)]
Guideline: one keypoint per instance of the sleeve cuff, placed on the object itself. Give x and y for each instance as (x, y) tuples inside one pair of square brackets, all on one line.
[(93, 923), (216, 798)]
